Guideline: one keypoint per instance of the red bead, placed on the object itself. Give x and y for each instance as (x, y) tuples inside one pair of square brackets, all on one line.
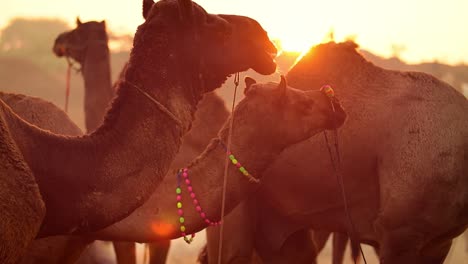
[(179, 198), (195, 201), (203, 215), (192, 195), (187, 181), (198, 208), (180, 212), (190, 189), (185, 175), (207, 221), (238, 165), (185, 170)]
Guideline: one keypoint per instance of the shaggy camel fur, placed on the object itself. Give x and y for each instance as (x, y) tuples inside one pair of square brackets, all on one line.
[(404, 152), (77, 175), (256, 140)]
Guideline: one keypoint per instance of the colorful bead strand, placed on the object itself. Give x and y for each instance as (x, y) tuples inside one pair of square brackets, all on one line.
[(185, 177), (180, 212)]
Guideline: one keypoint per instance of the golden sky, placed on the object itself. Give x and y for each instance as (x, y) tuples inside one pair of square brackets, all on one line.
[(428, 29)]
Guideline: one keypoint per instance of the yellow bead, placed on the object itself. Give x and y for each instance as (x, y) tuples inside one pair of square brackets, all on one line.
[(182, 228), (179, 205)]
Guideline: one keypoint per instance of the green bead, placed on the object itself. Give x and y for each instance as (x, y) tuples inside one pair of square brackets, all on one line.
[(182, 228), (179, 205), (234, 161), (181, 220), (242, 169), (178, 190), (246, 173), (231, 157)]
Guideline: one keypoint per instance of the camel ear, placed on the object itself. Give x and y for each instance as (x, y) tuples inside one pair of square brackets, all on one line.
[(281, 88), (147, 4), (248, 83), (280, 92), (185, 10), (78, 21)]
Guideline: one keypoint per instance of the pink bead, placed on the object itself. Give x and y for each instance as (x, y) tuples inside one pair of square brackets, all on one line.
[(185, 170), (203, 215), (192, 195), (180, 212), (179, 198), (195, 201), (238, 165), (183, 234), (185, 175), (207, 221), (190, 189), (198, 209), (229, 152), (187, 181)]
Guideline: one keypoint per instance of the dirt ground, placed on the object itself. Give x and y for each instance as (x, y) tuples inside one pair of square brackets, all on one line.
[(182, 253)]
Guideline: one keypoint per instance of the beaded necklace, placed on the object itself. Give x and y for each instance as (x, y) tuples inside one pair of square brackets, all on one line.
[(183, 174)]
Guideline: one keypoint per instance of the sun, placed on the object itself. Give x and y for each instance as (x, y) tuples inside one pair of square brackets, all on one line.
[(293, 45)]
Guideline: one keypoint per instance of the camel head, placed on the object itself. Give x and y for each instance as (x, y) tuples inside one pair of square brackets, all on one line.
[(74, 43), (284, 115), (211, 47)]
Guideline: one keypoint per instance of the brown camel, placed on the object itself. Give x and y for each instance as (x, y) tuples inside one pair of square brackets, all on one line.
[(77, 175), (209, 117), (405, 171), (256, 140), (87, 45)]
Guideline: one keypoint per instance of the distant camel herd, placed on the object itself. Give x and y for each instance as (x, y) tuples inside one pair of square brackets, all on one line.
[(402, 139)]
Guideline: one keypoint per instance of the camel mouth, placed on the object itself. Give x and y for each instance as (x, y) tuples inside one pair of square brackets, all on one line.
[(266, 63), (338, 117), (59, 50)]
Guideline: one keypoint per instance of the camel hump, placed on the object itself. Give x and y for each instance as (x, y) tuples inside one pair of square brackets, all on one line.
[(41, 113)]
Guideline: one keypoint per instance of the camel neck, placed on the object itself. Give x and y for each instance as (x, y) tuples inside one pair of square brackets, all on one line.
[(125, 157), (96, 72)]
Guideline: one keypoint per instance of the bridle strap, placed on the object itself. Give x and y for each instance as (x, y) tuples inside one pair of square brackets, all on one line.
[(160, 106), (337, 170)]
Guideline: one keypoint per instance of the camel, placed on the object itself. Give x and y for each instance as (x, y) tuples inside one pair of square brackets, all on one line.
[(256, 140), (87, 42), (87, 45), (404, 152), (75, 175)]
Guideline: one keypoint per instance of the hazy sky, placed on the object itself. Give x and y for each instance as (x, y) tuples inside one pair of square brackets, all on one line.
[(429, 29)]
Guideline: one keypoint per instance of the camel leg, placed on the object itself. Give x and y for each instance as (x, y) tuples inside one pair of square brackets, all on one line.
[(403, 246), (125, 252), (339, 247), (158, 251), (298, 248), (320, 238)]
